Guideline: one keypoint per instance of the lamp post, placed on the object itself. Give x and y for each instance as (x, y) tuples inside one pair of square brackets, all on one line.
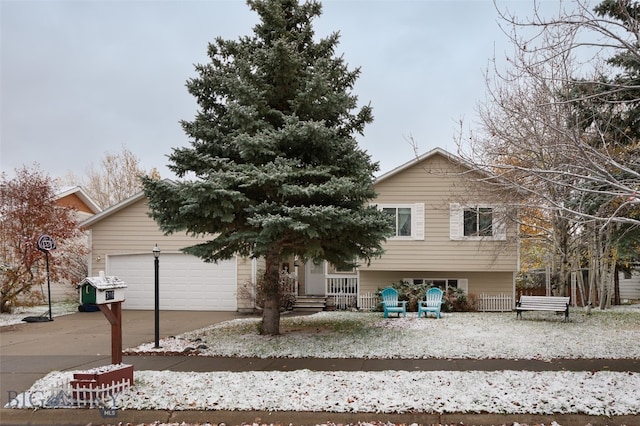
[(156, 261)]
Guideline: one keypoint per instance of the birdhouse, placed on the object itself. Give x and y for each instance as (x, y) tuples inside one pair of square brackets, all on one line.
[(102, 289)]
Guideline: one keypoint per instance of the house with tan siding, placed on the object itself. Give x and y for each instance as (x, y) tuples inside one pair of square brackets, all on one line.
[(122, 238), (448, 234)]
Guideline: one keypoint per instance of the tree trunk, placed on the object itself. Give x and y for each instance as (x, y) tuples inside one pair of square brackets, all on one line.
[(5, 306), (579, 279), (616, 285), (271, 312), (610, 282), (593, 269), (607, 268)]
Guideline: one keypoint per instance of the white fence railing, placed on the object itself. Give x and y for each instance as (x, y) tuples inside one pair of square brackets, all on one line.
[(342, 285), (494, 302), (368, 301), (91, 395), (64, 394), (364, 302), (343, 289), (344, 301)]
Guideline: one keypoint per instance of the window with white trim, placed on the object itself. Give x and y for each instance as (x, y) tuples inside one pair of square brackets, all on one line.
[(407, 220), (442, 283), (400, 218), (479, 222)]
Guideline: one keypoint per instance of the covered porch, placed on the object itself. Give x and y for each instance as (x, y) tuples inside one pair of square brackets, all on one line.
[(319, 286)]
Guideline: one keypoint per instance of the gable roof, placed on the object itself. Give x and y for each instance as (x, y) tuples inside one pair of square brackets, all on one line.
[(113, 209), (103, 282), (416, 160), (116, 207), (79, 192)]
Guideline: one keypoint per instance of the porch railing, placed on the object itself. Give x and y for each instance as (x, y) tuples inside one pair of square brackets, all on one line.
[(368, 301), (288, 284), (343, 289)]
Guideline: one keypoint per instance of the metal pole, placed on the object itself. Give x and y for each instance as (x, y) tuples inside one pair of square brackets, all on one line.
[(46, 254), (157, 301)]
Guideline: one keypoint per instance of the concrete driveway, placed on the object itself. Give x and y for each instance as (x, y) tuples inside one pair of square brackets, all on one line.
[(82, 340)]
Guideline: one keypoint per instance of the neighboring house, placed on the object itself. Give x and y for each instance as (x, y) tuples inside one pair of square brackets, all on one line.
[(630, 284), (445, 236), (77, 198)]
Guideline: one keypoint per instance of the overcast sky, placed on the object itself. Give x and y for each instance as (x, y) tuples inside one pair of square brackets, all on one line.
[(82, 78)]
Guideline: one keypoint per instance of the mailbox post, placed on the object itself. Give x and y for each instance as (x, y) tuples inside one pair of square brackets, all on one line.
[(105, 291)]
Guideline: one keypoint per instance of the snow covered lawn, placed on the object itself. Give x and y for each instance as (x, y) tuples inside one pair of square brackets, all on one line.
[(513, 392), (539, 335), (608, 334)]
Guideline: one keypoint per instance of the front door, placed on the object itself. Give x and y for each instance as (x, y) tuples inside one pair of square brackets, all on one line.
[(314, 279)]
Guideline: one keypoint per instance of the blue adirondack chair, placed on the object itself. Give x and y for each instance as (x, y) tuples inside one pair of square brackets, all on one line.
[(390, 302), (432, 302)]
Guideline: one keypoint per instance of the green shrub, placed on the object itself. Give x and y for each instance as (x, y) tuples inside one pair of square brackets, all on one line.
[(455, 299), (287, 281), (409, 292)]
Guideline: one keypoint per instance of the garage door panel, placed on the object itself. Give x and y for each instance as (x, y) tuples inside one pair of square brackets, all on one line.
[(186, 282)]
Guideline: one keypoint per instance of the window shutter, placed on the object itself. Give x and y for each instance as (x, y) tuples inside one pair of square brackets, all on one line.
[(463, 284), (455, 221), (418, 221), (499, 224)]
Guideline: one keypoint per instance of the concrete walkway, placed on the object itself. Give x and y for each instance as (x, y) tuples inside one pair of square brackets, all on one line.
[(82, 340)]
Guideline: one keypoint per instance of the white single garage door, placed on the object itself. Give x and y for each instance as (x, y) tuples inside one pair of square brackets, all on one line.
[(185, 282)]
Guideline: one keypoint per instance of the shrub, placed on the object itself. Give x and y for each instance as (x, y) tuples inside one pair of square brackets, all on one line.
[(409, 292), (287, 282), (455, 300)]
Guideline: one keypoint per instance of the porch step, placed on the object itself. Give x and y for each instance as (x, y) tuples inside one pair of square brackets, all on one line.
[(310, 303)]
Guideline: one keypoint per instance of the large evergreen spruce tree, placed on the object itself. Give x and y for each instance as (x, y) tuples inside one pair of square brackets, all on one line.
[(273, 169)]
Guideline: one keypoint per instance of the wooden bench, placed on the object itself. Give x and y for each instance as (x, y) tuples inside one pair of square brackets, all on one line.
[(543, 303)]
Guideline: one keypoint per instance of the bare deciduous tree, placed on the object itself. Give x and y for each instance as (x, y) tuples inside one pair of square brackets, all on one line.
[(116, 179), (545, 134)]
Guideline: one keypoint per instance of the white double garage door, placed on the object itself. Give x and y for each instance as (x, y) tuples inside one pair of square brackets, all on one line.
[(185, 282)]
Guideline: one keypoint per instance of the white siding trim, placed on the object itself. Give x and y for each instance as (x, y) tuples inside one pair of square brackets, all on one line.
[(417, 221), (463, 284), (455, 221), (92, 255), (499, 224)]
